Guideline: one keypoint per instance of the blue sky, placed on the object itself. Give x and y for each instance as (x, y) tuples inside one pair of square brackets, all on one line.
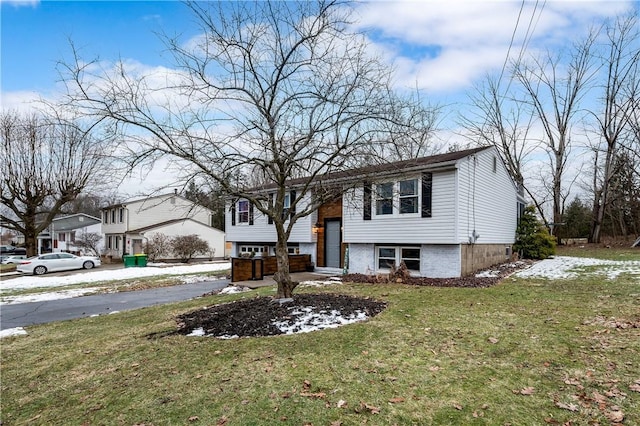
[(36, 35), (441, 46)]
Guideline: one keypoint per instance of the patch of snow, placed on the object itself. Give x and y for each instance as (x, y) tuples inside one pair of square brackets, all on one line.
[(42, 297), (234, 289), (314, 283), (488, 274), (98, 275), (197, 332), (564, 267), (9, 332), (306, 320), (190, 279), (228, 336)]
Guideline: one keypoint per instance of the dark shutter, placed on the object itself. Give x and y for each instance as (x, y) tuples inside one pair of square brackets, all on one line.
[(250, 213), (427, 179), (366, 202), (271, 209), (292, 207), (233, 213)]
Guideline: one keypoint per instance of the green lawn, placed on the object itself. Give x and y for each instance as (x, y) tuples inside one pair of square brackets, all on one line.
[(525, 352)]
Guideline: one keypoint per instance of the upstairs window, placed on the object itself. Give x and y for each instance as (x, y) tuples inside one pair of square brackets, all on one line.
[(384, 198), (113, 216), (286, 206), (397, 198), (121, 215), (243, 211), (408, 196)]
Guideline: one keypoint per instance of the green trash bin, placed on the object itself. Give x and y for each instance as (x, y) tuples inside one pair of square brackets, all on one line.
[(129, 260), (141, 260)]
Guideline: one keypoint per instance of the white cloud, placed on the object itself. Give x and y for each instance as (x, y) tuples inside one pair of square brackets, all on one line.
[(454, 42), (21, 3)]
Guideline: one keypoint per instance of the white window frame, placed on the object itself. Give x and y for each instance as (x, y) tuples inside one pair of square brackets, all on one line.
[(415, 194), (397, 197), (286, 206), (398, 258), (384, 198), (242, 212)]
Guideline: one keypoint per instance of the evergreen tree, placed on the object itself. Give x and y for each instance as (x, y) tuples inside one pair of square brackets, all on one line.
[(533, 241), (577, 219)]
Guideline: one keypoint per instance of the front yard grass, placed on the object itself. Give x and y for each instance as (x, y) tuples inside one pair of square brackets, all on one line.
[(523, 352)]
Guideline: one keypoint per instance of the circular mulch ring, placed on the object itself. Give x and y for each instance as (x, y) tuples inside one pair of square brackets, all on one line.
[(265, 316)]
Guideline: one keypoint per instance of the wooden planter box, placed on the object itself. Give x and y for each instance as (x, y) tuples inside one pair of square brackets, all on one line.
[(255, 268)]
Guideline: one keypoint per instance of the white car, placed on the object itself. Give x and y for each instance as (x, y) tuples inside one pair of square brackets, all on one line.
[(13, 259), (53, 262)]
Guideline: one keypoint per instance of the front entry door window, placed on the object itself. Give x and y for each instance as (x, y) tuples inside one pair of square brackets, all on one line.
[(332, 243)]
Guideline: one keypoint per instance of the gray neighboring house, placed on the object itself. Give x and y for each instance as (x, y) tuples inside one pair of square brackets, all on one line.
[(63, 232)]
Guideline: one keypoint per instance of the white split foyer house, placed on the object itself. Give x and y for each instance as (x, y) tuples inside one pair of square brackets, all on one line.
[(127, 226), (444, 216)]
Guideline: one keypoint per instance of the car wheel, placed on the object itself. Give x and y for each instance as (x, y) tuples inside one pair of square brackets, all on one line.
[(39, 270), (87, 265)]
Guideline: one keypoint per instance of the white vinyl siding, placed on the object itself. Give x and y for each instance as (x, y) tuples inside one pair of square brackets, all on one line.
[(487, 200), (404, 228), (264, 232)]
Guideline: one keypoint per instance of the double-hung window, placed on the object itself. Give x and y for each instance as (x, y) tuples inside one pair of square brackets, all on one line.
[(408, 196), (386, 257), (384, 198), (400, 197), (286, 206), (243, 211)]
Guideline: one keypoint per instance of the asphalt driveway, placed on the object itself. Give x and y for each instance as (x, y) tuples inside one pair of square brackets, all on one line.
[(25, 314)]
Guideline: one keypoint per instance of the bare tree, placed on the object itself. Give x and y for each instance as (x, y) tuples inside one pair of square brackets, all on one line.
[(188, 246), (554, 91), (46, 164), (158, 246), (89, 241), (501, 121), (269, 92), (620, 91)]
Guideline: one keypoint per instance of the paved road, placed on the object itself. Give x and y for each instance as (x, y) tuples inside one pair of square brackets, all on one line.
[(24, 314)]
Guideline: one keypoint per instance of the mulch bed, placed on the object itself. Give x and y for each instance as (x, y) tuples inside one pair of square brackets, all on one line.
[(502, 271), (256, 316)]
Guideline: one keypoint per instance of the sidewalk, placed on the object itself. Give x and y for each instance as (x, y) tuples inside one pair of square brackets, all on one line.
[(268, 281)]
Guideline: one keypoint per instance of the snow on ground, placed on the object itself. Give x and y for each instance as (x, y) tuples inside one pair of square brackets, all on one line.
[(564, 267), (30, 281), (18, 331), (52, 295)]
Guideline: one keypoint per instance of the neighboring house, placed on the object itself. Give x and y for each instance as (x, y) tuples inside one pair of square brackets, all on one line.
[(444, 216), (63, 232), (128, 226)]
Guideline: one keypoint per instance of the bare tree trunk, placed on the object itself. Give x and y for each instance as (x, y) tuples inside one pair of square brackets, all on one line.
[(283, 276)]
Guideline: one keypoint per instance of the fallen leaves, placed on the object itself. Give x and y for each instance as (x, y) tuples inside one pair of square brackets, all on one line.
[(493, 340), (570, 407), (396, 400), (529, 390), (635, 386)]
